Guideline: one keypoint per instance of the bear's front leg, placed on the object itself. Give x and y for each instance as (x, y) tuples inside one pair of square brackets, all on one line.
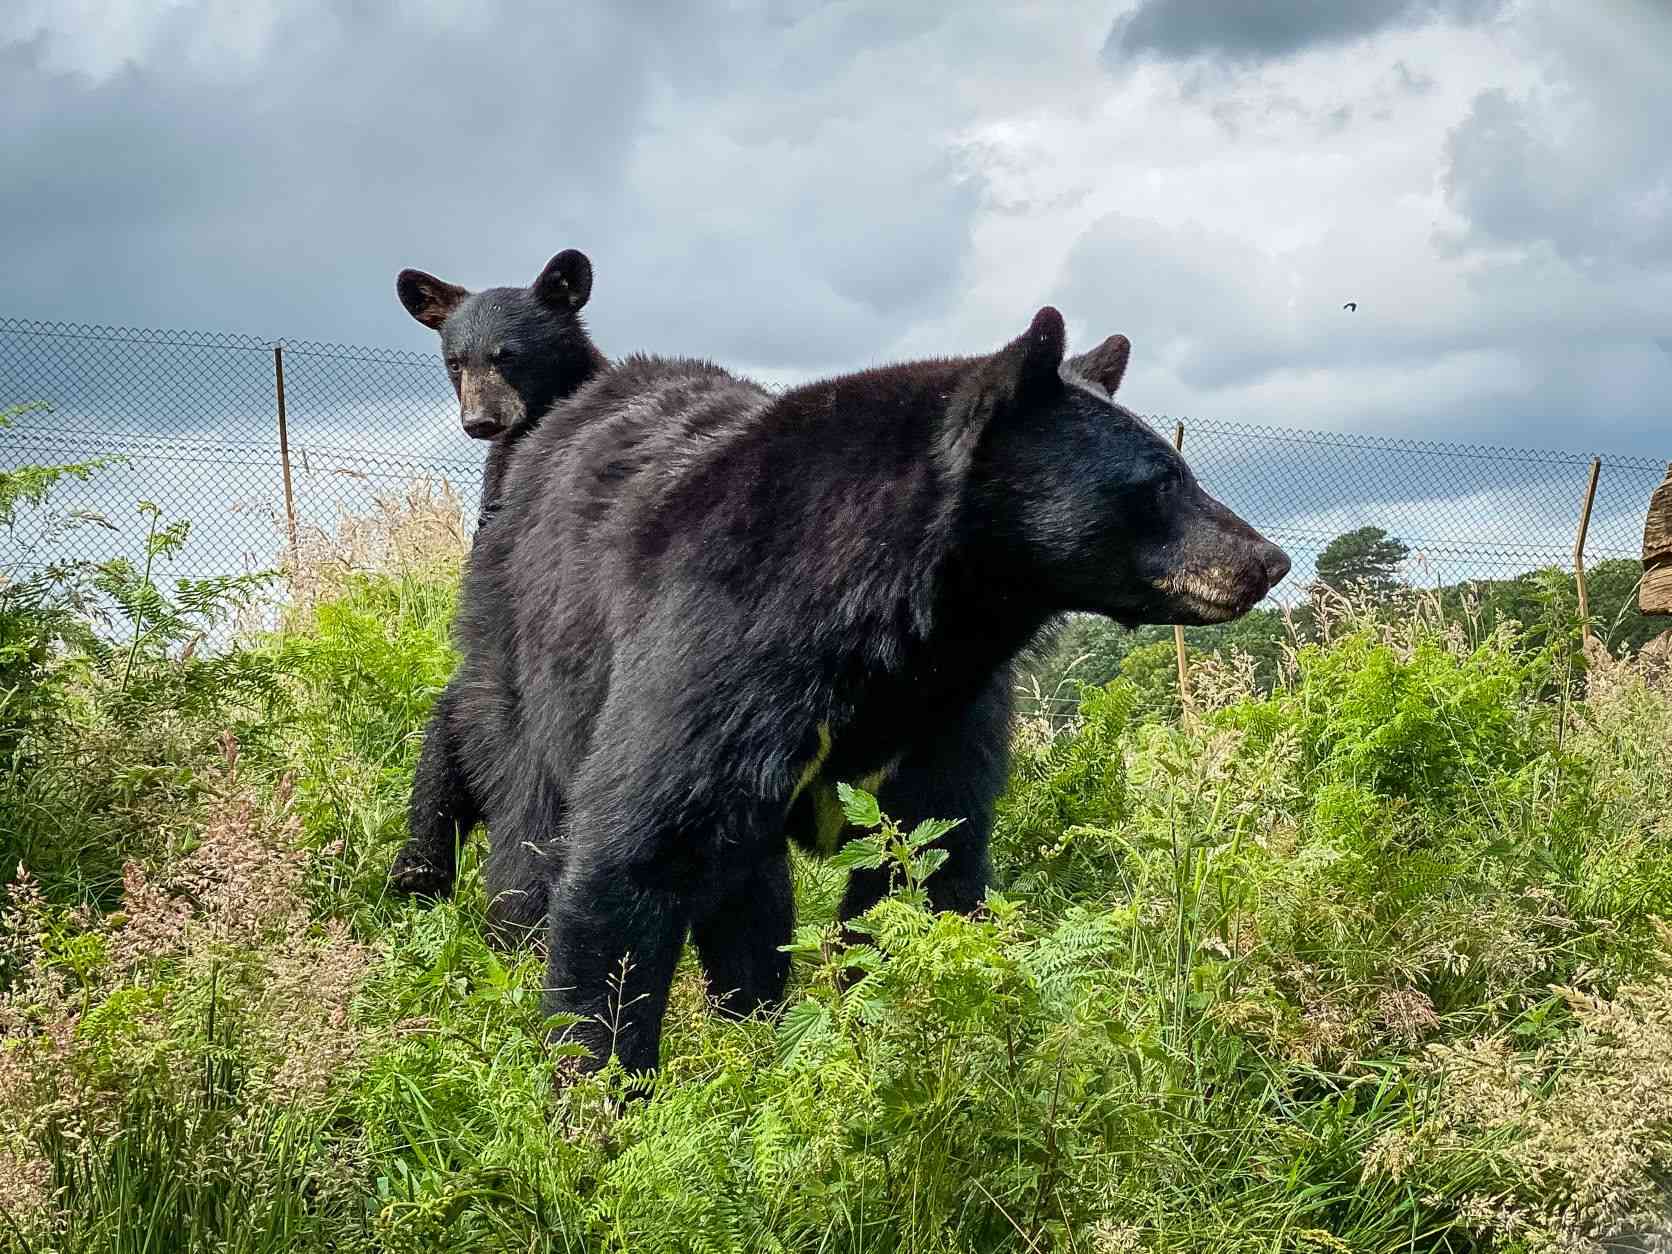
[(660, 835), (615, 935)]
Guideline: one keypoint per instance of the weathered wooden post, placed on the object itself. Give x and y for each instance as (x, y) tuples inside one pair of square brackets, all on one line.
[(1654, 594), (284, 451), (1178, 631), (1579, 549)]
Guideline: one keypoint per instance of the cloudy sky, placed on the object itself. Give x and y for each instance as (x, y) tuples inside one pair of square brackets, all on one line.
[(796, 188)]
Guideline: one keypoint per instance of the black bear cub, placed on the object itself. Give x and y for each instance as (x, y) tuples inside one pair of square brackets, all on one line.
[(511, 353), (703, 605)]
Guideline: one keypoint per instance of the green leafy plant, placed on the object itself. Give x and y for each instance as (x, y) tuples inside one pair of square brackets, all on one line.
[(109, 703), (1368, 954)]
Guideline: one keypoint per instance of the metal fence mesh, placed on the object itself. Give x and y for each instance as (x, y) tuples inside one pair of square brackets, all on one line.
[(195, 418), (195, 415)]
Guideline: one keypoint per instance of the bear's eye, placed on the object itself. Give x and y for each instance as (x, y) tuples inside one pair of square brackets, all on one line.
[(503, 354), (452, 365)]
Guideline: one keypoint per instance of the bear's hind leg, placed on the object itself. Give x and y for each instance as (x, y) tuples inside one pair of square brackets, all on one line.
[(615, 941), (959, 774), (739, 938), (524, 861)]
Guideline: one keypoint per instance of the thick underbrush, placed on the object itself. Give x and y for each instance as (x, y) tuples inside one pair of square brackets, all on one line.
[(1373, 961)]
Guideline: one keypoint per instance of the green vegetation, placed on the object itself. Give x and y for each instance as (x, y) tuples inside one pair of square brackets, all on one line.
[(1542, 605), (1366, 558), (1366, 955)]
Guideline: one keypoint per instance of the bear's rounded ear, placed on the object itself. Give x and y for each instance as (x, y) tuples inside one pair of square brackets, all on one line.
[(566, 282), (1105, 365), (1038, 351), (1014, 376), (427, 298)]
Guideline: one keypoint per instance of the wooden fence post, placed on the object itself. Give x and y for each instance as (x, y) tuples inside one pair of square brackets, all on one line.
[(1579, 549), (284, 449), (1654, 593), (1178, 631)]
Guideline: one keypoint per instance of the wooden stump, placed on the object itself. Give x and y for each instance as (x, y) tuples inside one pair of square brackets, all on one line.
[(1654, 594)]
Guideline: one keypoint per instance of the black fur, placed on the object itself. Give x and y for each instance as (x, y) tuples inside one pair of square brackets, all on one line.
[(694, 588), (510, 352)]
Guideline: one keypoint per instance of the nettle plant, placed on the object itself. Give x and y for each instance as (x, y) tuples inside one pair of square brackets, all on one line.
[(109, 699), (112, 620), (39, 600), (859, 977)]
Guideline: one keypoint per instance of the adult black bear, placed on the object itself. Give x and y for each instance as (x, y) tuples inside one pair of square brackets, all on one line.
[(703, 605), (510, 353)]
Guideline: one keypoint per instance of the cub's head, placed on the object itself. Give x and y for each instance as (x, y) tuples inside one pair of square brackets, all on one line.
[(1076, 496), (510, 351)]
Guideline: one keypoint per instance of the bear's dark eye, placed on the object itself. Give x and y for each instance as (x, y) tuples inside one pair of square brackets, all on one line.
[(503, 354), (452, 365), (1169, 481)]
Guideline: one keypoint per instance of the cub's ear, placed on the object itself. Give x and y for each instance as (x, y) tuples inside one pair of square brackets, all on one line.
[(427, 298), (1105, 364), (566, 282)]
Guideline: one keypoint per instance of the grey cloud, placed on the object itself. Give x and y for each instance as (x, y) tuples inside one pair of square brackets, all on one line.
[(1552, 357), (1199, 304), (1565, 199), (842, 245), (777, 188), (1177, 30), (1600, 198), (285, 197), (793, 187), (1414, 82), (1538, 316)]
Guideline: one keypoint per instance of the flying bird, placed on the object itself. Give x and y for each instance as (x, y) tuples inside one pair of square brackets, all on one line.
[(1352, 304)]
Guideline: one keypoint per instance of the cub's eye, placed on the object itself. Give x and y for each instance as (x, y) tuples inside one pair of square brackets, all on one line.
[(452, 365), (503, 354)]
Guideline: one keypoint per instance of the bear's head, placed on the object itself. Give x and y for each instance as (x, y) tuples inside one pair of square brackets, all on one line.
[(510, 351), (1075, 497)]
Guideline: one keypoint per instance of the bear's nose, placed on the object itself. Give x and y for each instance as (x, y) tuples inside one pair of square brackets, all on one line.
[(1275, 561)]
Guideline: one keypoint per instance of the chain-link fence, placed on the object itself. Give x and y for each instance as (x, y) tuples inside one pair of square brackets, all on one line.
[(197, 418)]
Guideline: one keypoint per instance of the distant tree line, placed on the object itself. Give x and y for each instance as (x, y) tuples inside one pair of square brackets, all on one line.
[(1364, 565)]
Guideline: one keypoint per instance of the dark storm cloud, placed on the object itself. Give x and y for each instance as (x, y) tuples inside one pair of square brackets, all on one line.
[(764, 186), (1177, 30), (794, 187), (284, 195)]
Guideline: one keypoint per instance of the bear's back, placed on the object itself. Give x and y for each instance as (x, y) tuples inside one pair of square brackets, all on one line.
[(652, 423)]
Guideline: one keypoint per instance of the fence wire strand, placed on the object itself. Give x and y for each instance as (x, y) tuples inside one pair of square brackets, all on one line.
[(194, 416)]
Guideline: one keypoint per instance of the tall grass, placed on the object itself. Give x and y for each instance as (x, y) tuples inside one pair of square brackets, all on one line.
[(1372, 961)]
